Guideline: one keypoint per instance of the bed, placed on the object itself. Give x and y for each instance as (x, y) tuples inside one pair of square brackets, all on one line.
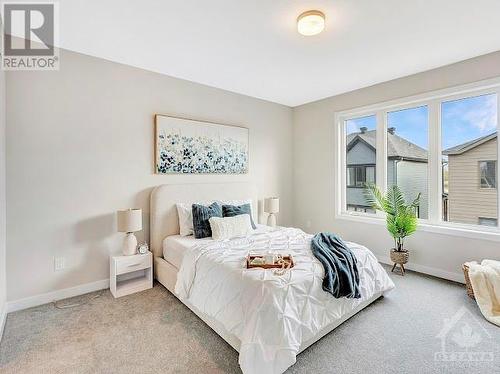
[(267, 318)]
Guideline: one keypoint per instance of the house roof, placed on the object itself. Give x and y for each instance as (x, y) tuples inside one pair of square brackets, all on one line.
[(397, 147), (464, 147)]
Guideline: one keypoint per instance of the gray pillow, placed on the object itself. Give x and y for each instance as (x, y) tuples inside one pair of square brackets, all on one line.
[(201, 215), (237, 210)]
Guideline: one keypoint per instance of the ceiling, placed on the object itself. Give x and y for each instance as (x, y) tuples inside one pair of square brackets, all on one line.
[(252, 46)]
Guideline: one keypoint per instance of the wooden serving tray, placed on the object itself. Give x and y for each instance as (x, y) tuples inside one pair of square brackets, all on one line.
[(288, 260)]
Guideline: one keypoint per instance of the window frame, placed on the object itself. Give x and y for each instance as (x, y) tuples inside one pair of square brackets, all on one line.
[(433, 100), (355, 167), (486, 219), (481, 175)]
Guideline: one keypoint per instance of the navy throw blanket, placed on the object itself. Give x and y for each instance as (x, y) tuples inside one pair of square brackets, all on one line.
[(341, 270)]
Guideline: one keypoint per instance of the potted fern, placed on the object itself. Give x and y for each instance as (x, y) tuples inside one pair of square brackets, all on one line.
[(401, 218)]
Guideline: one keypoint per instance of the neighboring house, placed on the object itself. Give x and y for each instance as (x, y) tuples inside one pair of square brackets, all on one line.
[(407, 167), (472, 181)]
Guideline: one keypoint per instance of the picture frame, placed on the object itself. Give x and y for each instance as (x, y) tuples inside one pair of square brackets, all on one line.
[(189, 146)]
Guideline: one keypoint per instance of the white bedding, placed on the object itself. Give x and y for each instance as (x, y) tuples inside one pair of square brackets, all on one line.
[(175, 246), (271, 315)]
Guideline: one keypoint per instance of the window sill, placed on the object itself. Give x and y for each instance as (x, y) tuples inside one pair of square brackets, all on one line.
[(491, 234)]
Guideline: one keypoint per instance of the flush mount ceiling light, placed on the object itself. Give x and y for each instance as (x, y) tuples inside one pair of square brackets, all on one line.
[(311, 22)]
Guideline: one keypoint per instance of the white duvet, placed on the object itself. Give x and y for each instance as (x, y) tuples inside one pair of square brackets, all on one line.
[(271, 315)]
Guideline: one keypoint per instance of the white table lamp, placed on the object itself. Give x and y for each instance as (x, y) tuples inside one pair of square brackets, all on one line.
[(271, 206), (129, 221)]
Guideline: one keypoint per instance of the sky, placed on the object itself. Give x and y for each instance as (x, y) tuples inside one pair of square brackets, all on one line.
[(462, 120)]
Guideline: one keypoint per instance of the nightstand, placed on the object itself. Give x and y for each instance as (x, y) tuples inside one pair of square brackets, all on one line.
[(130, 274)]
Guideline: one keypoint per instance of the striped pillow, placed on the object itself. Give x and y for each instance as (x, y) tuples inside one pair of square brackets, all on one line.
[(201, 215)]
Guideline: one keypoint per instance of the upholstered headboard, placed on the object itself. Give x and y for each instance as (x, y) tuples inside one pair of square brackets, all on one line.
[(164, 220)]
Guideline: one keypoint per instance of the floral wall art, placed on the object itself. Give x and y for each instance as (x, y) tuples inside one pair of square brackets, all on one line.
[(186, 146)]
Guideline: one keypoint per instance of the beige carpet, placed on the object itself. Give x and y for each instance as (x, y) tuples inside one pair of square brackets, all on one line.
[(152, 332)]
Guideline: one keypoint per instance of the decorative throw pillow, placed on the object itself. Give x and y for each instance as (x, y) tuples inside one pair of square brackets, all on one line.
[(236, 210), (237, 203), (185, 213), (230, 227), (201, 215)]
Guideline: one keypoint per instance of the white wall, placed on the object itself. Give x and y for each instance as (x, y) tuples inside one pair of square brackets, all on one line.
[(315, 172), (80, 146), (3, 232)]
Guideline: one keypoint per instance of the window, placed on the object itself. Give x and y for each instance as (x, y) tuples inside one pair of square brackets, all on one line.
[(363, 209), (443, 147), (469, 149), (487, 172), (488, 221), (358, 176), (407, 154), (361, 158)]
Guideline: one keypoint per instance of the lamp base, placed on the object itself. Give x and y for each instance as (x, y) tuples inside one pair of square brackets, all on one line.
[(129, 244), (271, 220)]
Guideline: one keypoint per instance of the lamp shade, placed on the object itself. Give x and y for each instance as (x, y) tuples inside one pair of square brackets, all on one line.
[(129, 220), (272, 205)]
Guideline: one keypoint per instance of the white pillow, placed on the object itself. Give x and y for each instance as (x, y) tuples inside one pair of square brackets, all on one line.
[(185, 213), (230, 227)]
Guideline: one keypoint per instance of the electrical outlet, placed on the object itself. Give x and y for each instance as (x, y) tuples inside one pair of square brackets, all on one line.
[(308, 224), (59, 263)]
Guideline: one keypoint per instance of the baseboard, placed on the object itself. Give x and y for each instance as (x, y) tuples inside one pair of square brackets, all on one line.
[(3, 319), (456, 277), (29, 302)]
